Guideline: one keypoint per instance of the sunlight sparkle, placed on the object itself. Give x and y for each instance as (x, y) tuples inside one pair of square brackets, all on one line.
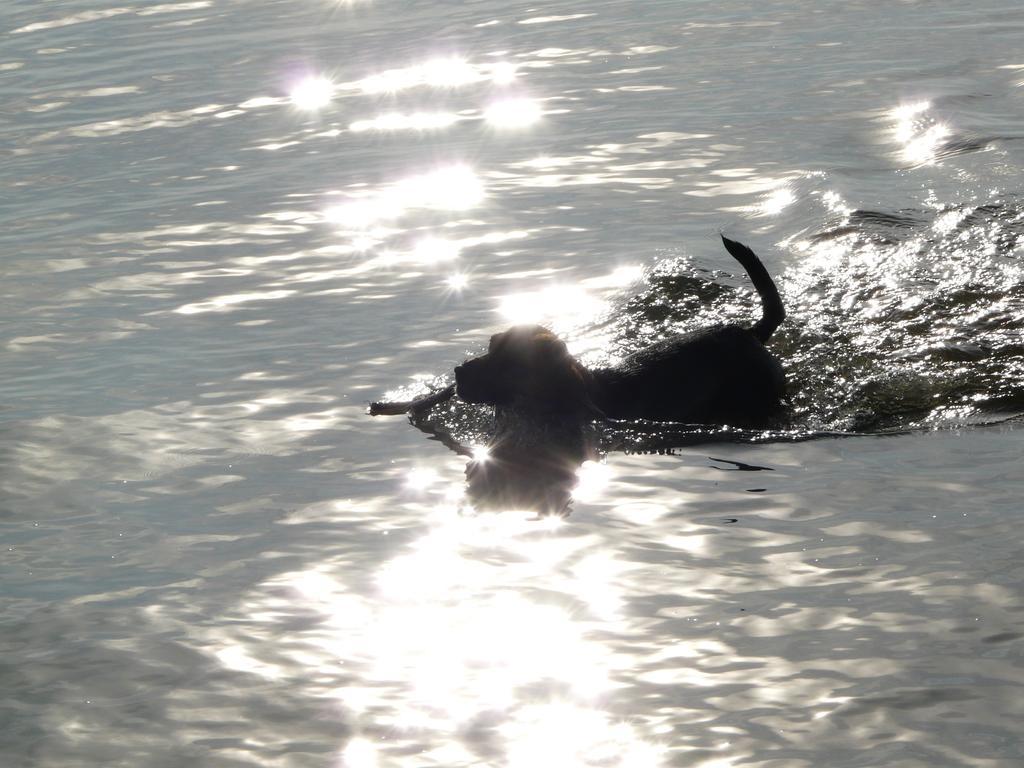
[(453, 188), (398, 121), (359, 753), (503, 73), (556, 304), (431, 250), (421, 479), (774, 202), (312, 93), (921, 136), (513, 113), (457, 281), (593, 478), (450, 72)]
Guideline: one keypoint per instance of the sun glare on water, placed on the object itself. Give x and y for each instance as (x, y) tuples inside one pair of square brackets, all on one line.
[(457, 282), (513, 113), (398, 121), (452, 188), (921, 137), (312, 93), (444, 72), (443, 642), (556, 304)]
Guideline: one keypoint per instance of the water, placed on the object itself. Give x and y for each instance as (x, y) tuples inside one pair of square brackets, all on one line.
[(213, 557)]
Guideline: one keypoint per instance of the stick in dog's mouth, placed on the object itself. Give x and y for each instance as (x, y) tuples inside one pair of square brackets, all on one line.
[(415, 406)]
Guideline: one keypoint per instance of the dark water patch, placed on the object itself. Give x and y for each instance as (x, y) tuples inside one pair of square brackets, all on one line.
[(739, 466), (962, 145), (895, 220), (1003, 637)]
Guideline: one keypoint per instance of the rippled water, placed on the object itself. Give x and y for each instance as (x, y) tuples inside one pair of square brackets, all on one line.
[(229, 225)]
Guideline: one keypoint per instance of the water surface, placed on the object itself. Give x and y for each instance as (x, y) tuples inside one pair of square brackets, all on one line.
[(229, 225)]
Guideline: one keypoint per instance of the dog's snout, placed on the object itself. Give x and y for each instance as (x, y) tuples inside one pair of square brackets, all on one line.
[(470, 380), (463, 373), (469, 367)]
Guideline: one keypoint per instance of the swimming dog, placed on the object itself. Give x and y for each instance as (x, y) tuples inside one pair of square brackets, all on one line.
[(718, 375), (544, 399)]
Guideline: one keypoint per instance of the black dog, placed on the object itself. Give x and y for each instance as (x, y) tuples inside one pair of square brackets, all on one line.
[(717, 375), (545, 399)]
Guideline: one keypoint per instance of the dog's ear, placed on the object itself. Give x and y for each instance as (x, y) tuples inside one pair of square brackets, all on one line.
[(550, 348), (519, 337), (565, 384)]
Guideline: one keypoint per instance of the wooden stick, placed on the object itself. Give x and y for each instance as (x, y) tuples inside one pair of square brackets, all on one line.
[(415, 407)]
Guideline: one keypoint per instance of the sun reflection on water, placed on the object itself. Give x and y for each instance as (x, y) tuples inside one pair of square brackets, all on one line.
[(457, 282), (513, 113), (231, 301), (559, 734), (921, 136), (775, 202), (558, 305), (593, 481), (432, 250), (359, 753), (312, 93), (503, 73), (452, 188), (441, 637), (450, 72), (398, 121), (422, 479), (472, 650)]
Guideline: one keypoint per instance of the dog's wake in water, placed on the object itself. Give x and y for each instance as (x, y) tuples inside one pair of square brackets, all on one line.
[(909, 320), (897, 322)]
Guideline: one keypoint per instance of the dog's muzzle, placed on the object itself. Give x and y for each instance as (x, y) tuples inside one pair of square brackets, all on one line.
[(475, 382), (466, 386)]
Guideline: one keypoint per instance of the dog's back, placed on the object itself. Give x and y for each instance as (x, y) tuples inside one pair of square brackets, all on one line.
[(722, 374)]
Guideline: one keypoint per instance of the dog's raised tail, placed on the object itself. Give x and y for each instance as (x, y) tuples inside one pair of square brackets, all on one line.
[(773, 313)]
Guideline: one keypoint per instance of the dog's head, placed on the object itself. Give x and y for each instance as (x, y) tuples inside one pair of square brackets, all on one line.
[(530, 368)]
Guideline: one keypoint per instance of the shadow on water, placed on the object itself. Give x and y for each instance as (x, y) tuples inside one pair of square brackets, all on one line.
[(898, 321)]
